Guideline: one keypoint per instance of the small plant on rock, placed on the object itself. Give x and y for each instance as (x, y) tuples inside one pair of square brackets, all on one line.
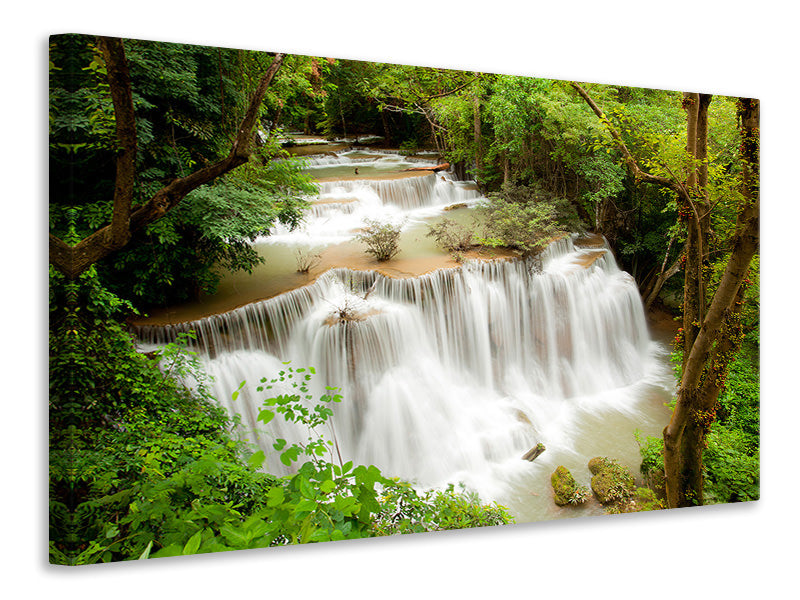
[(565, 490)]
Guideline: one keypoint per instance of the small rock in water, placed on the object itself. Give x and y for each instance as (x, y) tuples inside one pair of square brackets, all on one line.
[(534, 452)]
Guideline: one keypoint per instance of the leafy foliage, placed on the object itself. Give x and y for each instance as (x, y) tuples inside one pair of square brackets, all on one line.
[(732, 456), (521, 217), (382, 239), (188, 101), (143, 467)]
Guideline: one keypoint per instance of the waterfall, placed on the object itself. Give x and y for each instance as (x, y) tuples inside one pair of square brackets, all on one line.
[(381, 191), (444, 376), (409, 193)]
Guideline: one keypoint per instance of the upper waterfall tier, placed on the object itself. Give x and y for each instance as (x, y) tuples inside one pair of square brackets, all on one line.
[(355, 186), (405, 193)]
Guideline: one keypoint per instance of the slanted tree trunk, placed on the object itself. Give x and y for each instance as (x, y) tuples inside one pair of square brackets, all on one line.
[(706, 366), (74, 260), (713, 327), (651, 292)]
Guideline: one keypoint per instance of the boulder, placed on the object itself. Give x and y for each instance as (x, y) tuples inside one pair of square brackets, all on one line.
[(565, 490), (611, 482)]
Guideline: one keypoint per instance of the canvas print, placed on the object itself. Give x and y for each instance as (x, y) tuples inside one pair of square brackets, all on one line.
[(300, 299)]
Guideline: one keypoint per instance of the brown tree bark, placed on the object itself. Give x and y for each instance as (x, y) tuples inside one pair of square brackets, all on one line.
[(659, 282), (476, 104), (74, 260), (695, 214), (705, 368), (714, 333)]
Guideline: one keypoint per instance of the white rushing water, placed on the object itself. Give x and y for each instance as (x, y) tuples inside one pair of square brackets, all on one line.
[(346, 199), (451, 376)]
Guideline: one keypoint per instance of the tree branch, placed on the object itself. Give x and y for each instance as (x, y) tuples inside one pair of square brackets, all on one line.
[(637, 172), (74, 260)]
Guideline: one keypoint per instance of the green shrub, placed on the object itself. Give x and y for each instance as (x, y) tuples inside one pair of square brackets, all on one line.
[(731, 466), (451, 236), (520, 217), (382, 239)]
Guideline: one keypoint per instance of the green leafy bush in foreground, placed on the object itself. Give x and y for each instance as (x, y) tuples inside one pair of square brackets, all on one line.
[(143, 467)]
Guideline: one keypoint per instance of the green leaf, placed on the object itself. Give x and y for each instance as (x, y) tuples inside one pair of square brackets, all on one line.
[(193, 544), (306, 489), (290, 455), (235, 394), (327, 486), (274, 497), (146, 554), (305, 505), (234, 537), (171, 550), (257, 460)]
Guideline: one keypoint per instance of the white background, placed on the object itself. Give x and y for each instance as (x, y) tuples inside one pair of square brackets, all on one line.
[(730, 48)]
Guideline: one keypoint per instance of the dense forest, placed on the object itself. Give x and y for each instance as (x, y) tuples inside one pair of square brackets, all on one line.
[(168, 161)]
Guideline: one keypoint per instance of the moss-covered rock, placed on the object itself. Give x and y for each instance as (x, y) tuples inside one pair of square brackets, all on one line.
[(646, 499), (597, 464), (643, 499), (611, 482), (565, 490)]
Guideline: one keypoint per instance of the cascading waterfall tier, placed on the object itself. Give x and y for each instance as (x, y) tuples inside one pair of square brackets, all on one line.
[(405, 194), (380, 191), (446, 377)]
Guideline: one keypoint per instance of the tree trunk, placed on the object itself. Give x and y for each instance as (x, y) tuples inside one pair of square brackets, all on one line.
[(74, 260), (387, 132), (691, 210), (662, 278), (709, 356), (713, 333)]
